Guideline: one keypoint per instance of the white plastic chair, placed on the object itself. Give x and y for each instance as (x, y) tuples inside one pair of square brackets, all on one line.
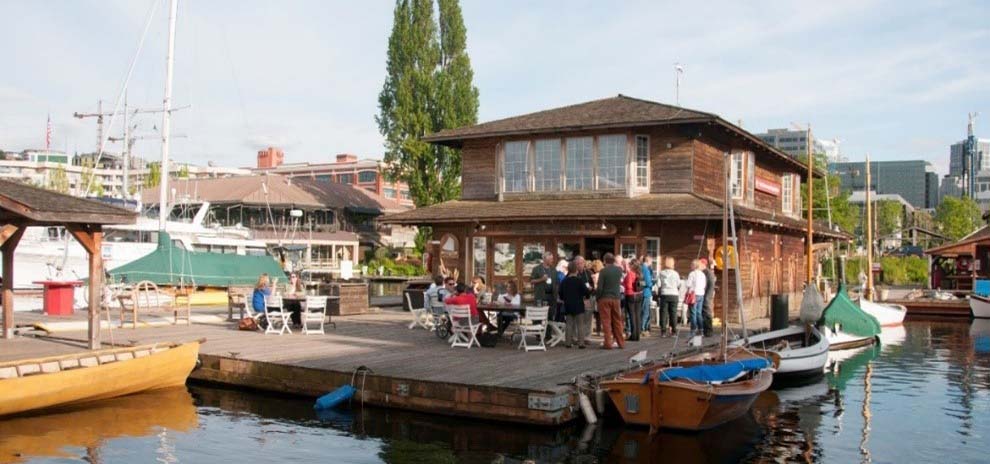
[(421, 317), (315, 311), (535, 324), (276, 315), (463, 330), (557, 332)]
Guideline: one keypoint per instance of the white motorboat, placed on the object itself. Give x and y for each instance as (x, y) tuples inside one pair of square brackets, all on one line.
[(980, 306), (888, 315), (797, 358)]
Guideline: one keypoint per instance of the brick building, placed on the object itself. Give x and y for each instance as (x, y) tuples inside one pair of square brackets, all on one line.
[(347, 169)]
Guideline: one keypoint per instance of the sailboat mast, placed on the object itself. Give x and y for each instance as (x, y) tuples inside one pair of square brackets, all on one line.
[(163, 210), (868, 291), (809, 251), (725, 253)]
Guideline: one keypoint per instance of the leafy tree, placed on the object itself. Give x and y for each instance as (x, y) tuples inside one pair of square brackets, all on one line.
[(154, 175), (58, 180), (844, 214), (428, 87), (958, 217), (889, 217), (88, 181), (183, 172)]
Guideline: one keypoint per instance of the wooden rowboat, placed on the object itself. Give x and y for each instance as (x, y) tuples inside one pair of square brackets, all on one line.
[(34, 384), (643, 397)]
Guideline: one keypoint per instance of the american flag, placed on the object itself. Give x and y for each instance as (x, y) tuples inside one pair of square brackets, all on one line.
[(48, 134)]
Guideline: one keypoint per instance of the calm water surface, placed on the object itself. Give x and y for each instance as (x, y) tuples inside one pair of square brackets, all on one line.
[(924, 396)]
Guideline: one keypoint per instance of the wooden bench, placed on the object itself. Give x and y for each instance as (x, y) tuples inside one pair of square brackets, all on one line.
[(237, 298), (145, 297)]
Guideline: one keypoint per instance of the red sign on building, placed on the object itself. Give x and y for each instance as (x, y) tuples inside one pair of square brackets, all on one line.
[(768, 186)]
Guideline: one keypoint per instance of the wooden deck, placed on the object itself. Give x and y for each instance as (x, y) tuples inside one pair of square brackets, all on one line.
[(930, 307), (409, 369)]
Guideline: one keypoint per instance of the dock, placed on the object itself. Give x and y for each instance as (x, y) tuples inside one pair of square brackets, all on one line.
[(391, 365), (933, 307)]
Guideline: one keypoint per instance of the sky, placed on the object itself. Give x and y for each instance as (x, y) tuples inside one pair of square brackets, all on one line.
[(894, 79)]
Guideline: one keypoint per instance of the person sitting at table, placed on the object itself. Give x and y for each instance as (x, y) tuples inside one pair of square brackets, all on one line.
[(432, 294), (448, 289), (511, 297), (462, 297), (295, 288), (478, 285), (262, 290)]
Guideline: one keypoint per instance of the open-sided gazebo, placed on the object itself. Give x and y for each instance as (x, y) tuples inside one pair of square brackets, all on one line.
[(23, 206)]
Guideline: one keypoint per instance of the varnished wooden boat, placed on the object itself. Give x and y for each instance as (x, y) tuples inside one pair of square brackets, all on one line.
[(42, 383), (644, 398)]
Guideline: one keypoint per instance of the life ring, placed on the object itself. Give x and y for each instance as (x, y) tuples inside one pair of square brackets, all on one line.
[(732, 257)]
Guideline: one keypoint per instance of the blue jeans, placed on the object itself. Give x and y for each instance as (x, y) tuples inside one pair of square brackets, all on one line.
[(647, 300), (695, 316)]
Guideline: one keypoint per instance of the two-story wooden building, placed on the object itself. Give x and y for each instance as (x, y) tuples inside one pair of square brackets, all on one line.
[(619, 175)]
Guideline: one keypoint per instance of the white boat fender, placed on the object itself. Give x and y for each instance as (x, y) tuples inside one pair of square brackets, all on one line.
[(600, 396), (589, 412)]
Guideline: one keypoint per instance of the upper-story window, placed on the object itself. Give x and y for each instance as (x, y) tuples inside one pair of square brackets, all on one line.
[(516, 166), (737, 175), (787, 194), (579, 163), (405, 195), (389, 192), (547, 163), (611, 162), (346, 178), (367, 176), (642, 161)]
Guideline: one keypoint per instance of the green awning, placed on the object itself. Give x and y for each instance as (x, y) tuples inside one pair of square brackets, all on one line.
[(172, 265)]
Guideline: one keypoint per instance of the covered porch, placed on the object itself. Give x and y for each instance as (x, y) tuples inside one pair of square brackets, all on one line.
[(956, 265), (23, 206)]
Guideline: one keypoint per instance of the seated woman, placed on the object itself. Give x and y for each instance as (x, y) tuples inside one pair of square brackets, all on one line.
[(511, 297), (295, 287), (463, 297), (262, 290)]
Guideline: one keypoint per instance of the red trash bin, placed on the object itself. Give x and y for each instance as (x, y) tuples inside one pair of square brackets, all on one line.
[(58, 296)]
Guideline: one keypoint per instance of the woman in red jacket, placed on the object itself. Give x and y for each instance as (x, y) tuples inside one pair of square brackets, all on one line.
[(630, 286)]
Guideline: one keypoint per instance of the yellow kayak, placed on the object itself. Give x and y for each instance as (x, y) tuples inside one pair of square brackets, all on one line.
[(34, 384)]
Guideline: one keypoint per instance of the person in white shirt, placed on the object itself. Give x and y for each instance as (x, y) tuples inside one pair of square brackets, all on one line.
[(670, 293), (696, 284), (511, 297)]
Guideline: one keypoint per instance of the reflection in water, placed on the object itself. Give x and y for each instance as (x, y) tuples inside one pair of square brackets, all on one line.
[(89, 426), (922, 396)]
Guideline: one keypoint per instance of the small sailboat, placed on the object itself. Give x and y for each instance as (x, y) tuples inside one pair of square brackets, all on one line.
[(699, 392), (979, 300), (35, 384), (803, 351), (846, 325), (886, 315)]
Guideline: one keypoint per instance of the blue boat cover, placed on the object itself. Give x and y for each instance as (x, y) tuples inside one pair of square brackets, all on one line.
[(982, 287), (708, 373)]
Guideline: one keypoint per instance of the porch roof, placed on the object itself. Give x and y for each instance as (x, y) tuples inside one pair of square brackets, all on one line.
[(675, 206), (965, 246), (28, 205)]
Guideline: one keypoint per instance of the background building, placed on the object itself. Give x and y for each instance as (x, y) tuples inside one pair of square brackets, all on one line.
[(795, 143), (909, 179), (270, 157), (981, 163), (347, 169)]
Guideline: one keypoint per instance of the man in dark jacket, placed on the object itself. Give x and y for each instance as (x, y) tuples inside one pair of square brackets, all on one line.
[(707, 312), (545, 284)]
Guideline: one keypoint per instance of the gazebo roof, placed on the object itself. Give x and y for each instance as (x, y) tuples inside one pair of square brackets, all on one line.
[(24, 204)]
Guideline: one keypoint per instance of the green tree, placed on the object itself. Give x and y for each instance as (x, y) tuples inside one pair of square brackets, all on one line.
[(89, 183), (844, 214), (154, 175), (183, 172), (958, 217), (428, 87), (889, 217), (58, 180)]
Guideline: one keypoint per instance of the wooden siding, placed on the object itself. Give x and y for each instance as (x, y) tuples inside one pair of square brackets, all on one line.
[(478, 170), (670, 168), (709, 162)]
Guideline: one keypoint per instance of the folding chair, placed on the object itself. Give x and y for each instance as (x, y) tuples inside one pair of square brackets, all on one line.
[(463, 328), (420, 315), (315, 311), (557, 332), (276, 315), (535, 324)]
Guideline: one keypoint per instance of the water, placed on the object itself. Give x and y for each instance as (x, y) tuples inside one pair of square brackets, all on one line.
[(922, 397)]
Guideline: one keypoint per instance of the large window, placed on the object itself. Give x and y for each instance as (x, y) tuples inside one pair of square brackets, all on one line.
[(568, 250), (787, 194), (611, 162), (516, 166), (479, 254), (547, 175), (737, 175), (367, 176), (653, 250), (642, 161), (580, 167), (532, 257), (504, 259), (346, 178)]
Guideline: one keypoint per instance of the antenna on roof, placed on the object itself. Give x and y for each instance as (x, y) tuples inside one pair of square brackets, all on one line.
[(678, 71)]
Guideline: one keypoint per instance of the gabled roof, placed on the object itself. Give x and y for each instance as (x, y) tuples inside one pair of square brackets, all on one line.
[(613, 112), (673, 206), (964, 246), (25, 203)]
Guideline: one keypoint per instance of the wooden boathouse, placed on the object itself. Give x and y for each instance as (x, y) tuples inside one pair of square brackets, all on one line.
[(621, 175)]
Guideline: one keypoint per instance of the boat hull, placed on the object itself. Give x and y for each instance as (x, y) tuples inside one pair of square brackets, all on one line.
[(980, 306), (161, 369), (887, 315), (839, 340), (799, 363)]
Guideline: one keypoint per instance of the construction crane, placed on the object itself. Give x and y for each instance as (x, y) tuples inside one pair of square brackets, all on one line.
[(969, 157)]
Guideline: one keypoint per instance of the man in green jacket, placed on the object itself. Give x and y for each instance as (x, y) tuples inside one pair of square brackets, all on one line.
[(544, 279), (609, 310)]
